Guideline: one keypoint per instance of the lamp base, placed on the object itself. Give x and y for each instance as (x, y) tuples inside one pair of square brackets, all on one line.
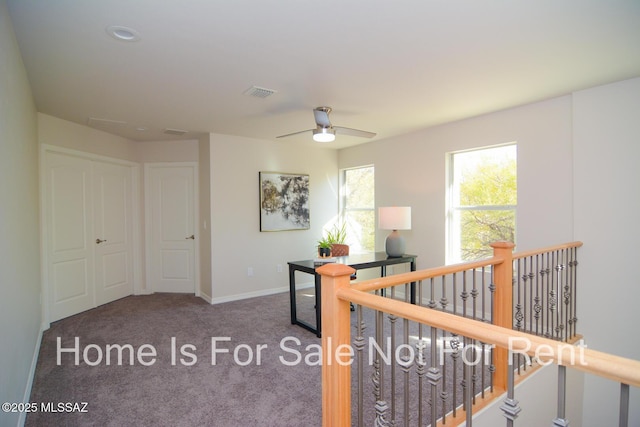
[(394, 245)]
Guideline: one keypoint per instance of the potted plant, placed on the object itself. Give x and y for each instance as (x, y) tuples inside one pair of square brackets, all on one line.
[(324, 247), (337, 236)]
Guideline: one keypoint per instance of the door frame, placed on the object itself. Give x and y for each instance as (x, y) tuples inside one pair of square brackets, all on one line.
[(147, 220), (44, 229)]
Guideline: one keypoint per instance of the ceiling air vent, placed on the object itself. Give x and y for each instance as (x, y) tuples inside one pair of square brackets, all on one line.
[(104, 123), (259, 92), (178, 132)]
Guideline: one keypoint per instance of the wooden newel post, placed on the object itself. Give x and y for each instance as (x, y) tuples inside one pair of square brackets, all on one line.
[(503, 306), (336, 346)]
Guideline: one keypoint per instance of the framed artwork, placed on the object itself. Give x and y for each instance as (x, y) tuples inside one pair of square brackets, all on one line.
[(284, 201)]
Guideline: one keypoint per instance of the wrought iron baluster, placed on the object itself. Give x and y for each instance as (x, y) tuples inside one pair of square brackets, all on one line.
[(464, 295), (381, 406), (536, 306), (518, 306), (574, 287), (359, 344), (531, 275), (444, 393), (443, 299), (432, 301), (484, 319), (434, 376), (510, 406), (492, 290), (546, 294), (392, 327), (623, 419), (566, 296), (469, 393), (407, 363), (518, 312), (552, 299), (455, 346), (420, 360), (559, 267), (455, 293)]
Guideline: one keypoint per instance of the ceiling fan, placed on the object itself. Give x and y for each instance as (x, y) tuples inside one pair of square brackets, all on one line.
[(325, 132)]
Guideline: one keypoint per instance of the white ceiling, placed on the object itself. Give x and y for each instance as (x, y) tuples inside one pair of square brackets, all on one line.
[(385, 66)]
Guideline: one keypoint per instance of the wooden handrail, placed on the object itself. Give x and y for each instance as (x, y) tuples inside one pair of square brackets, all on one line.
[(338, 293), (518, 255), (605, 365), (428, 273)]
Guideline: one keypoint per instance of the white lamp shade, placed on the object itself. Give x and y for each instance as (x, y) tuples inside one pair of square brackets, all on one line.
[(394, 218)]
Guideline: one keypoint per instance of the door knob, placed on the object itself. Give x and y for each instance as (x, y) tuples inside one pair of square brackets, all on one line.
[(98, 241), (192, 237)]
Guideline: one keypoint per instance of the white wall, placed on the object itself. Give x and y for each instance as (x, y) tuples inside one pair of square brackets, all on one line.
[(410, 171), (236, 240), (62, 133), (19, 225), (166, 151), (606, 125)]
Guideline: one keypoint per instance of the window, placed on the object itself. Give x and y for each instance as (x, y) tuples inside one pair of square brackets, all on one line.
[(358, 208), (482, 197)]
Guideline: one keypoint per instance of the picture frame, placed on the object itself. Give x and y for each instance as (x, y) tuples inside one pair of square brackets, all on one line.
[(284, 201)]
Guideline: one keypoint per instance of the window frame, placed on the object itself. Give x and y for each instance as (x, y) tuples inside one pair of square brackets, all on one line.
[(343, 206), (453, 252)]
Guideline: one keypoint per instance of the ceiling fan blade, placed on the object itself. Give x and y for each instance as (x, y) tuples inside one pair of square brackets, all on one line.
[(322, 116), (294, 133), (353, 132)]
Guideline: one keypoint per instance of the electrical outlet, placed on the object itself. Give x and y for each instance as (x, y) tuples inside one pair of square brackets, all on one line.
[(250, 271), (279, 268)]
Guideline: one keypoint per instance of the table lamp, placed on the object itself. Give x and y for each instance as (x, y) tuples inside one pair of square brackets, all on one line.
[(394, 218)]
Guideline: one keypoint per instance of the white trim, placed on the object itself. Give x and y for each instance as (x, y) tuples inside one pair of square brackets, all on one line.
[(32, 373), (135, 211), (246, 295), (147, 220), (85, 155)]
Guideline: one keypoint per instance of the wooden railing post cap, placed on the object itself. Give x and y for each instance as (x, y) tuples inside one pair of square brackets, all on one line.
[(502, 245), (335, 270)]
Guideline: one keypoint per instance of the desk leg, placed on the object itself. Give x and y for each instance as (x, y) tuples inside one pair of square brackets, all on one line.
[(413, 284), (317, 279), (292, 294)]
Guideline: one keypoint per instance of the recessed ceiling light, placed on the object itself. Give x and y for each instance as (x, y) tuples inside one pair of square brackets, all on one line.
[(123, 33)]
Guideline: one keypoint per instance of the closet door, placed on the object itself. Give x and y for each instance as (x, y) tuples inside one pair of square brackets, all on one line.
[(88, 233), (113, 246), (70, 241)]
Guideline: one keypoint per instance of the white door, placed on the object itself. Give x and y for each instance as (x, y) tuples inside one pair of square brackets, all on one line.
[(112, 200), (170, 215), (70, 241)]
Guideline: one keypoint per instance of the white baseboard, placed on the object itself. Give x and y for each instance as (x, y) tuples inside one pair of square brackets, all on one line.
[(32, 373), (206, 297), (246, 295)]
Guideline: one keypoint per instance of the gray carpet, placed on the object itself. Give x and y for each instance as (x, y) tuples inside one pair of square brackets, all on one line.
[(185, 388), (227, 394)]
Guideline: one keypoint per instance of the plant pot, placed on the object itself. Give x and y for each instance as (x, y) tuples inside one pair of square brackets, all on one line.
[(339, 249), (324, 252)]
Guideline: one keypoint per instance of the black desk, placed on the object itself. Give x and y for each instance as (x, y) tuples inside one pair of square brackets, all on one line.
[(358, 262)]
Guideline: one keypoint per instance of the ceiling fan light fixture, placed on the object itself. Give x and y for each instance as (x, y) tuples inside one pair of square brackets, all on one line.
[(324, 135)]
